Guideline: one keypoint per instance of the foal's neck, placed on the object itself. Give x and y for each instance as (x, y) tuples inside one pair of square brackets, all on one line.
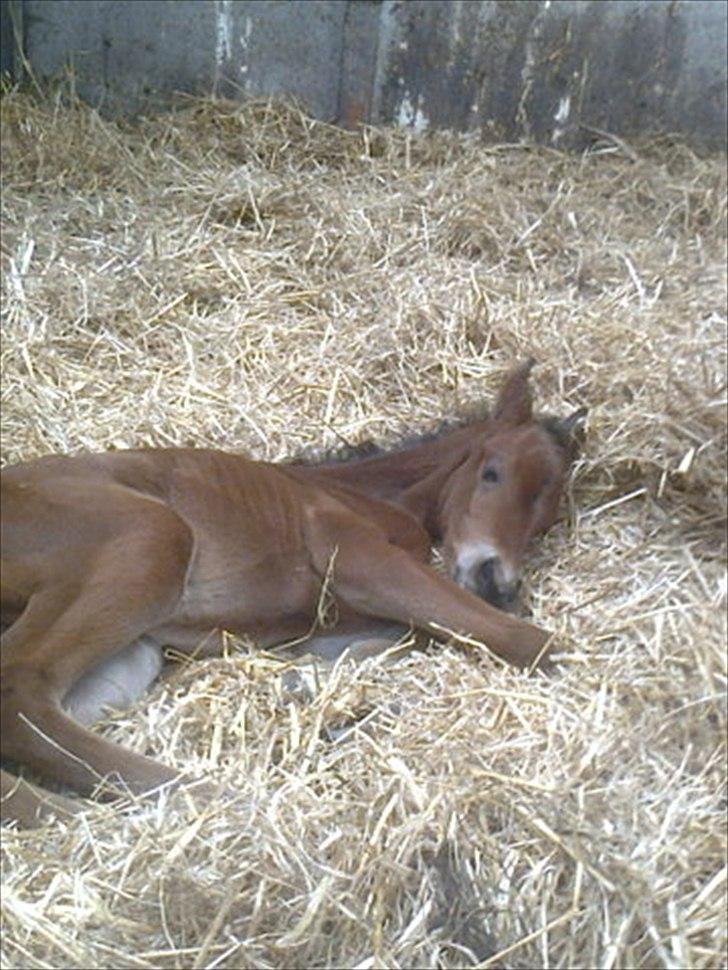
[(413, 478)]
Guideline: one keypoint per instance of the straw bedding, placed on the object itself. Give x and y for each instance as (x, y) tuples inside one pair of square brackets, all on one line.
[(243, 277)]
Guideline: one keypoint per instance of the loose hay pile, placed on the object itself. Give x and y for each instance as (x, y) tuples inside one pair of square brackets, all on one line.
[(244, 277)]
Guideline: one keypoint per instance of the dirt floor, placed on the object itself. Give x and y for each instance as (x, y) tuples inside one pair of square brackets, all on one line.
[(244, 277)]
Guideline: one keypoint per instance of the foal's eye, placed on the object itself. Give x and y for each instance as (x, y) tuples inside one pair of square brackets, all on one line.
[(490, 475)]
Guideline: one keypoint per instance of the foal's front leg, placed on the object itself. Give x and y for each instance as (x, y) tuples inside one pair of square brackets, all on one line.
[(376, 578)]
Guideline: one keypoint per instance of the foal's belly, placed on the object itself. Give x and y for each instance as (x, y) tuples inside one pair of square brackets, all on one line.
[(265, 593)]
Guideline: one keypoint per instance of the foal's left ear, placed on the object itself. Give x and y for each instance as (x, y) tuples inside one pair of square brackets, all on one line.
[(514, 403)]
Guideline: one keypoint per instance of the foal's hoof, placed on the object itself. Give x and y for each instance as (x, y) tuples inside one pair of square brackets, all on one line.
[(530, 649)]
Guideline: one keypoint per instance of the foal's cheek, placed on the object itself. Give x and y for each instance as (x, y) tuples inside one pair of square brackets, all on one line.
[(548, 515)]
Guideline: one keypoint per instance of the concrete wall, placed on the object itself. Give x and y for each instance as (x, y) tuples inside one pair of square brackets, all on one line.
[(535, 69), (7, 41), (540, 70)]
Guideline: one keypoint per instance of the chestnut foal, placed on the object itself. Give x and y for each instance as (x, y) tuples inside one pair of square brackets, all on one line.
[(108, 558)]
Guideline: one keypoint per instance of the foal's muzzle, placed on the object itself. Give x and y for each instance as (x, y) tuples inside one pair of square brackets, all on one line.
[(500, 594)]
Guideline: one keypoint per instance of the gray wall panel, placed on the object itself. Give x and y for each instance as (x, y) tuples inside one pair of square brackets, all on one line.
[(538, 69)]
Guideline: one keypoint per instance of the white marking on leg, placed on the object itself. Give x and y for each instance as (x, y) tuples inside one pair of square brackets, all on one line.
[(115, 684)]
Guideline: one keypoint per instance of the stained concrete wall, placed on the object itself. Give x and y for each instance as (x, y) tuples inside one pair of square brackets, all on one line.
[(541, 70), (7, 41), (537, 69)]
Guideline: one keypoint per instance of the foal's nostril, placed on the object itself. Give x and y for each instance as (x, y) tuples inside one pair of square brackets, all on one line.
[(486, 571), (502, 596), (485, 581)]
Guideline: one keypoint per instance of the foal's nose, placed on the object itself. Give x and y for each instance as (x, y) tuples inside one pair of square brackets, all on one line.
[(502, 595)]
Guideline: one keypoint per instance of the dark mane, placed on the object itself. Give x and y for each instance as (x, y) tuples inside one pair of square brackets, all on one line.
[(567, 440), (351, 453)]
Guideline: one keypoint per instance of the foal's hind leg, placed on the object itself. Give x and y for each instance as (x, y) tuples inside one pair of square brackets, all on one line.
[(106, 687), (53, 644)]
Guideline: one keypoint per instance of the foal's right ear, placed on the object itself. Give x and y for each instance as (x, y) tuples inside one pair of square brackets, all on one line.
[(568, 431), (574, 422), (514, 404)]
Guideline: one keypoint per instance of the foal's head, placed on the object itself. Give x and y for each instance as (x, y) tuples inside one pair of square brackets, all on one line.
[(505, 492)]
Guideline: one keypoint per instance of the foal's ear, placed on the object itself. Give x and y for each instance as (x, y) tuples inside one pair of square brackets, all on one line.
[(574, 422), (514, 404)]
